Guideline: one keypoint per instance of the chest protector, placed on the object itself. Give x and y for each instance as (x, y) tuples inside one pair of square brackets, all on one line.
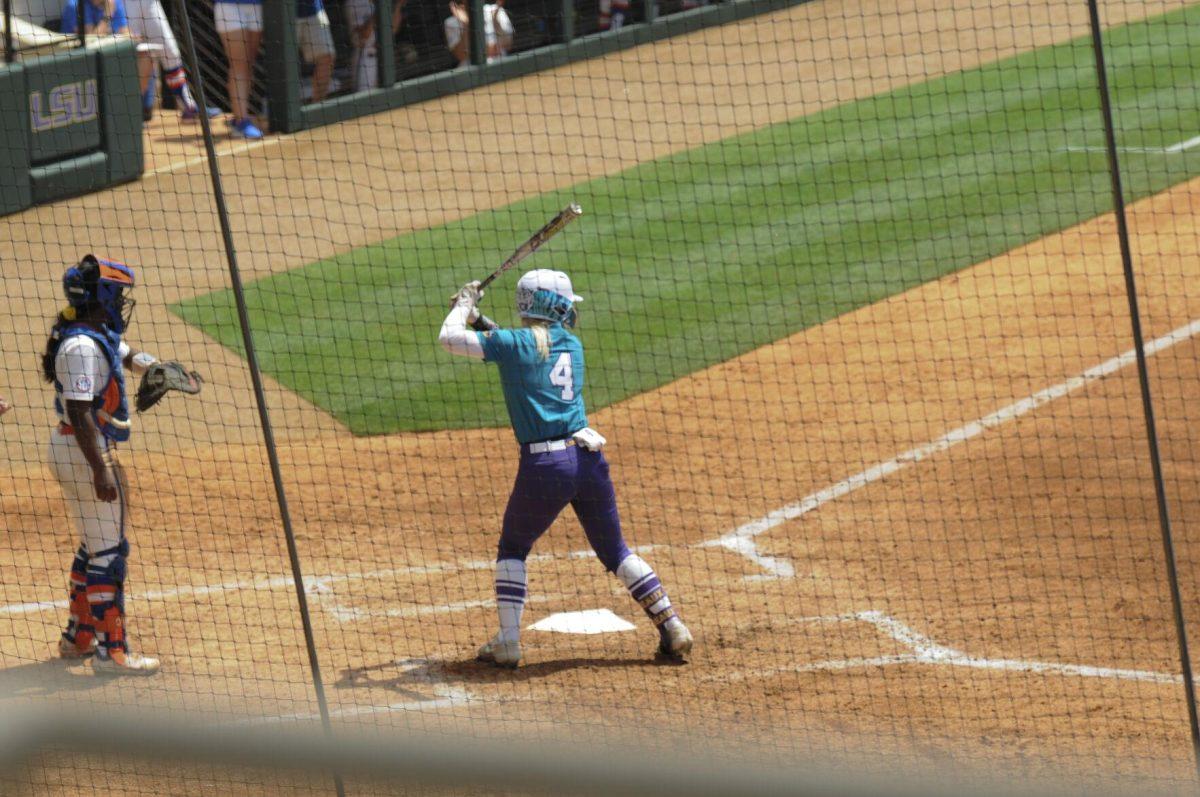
[(110, 409)]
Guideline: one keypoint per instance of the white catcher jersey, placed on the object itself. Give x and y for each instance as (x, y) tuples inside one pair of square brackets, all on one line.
[(82, 369)]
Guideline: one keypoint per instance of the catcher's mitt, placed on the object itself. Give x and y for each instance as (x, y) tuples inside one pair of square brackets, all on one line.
[(161, 378)]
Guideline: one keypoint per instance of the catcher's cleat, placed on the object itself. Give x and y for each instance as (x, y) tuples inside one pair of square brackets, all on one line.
[(675, 642), (502, 654), (69, 650), (120, 662)]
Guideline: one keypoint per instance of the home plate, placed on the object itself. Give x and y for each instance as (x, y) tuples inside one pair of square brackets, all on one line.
[(591, 621)]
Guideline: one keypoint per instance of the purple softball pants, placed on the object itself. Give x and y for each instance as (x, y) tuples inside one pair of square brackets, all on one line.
[(545, 484)]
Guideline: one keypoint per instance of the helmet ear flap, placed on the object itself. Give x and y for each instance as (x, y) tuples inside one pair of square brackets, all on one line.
[(524, 300)]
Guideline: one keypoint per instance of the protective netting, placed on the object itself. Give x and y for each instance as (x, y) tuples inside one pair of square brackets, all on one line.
[(856, 331)]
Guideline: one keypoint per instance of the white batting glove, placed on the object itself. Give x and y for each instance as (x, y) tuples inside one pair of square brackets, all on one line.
[(468, 295)]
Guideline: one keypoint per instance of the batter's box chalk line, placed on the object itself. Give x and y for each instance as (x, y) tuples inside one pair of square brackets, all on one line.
[(417, 673), (919, 649), (923, 650)]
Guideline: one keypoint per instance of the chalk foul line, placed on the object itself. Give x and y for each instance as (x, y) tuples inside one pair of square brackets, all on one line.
[(920, 649), (742, 539), (1172, 149)]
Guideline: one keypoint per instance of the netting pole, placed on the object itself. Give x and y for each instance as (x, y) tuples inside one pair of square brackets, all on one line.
[(260, 397), (567, 10), (8, 34), (1160, 492), (477, 44), (385, 43), (280, 54)]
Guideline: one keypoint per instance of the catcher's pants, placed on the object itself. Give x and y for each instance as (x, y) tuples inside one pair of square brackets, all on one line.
[(97, 580), (101, 524)]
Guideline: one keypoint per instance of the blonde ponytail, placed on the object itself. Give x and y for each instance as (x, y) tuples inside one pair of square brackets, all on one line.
[(541, 337)]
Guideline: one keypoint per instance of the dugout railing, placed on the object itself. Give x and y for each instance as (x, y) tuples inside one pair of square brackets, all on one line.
[(289, 114), (279, 72)]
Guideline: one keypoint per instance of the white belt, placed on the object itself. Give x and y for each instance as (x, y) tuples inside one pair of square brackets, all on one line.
[(549, 445)]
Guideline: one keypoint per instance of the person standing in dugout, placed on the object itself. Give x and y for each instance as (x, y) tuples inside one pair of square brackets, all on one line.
[(85, 359), (562, 462)]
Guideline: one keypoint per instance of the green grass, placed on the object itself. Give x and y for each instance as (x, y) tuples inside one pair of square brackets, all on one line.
[(693, 259)]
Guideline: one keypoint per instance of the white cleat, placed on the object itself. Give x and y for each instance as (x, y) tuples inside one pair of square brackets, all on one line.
[(502, 654), (119, 662), (69, 650), (675, 642)]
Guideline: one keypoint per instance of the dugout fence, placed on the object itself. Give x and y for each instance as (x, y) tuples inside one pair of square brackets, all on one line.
[(889, 320)]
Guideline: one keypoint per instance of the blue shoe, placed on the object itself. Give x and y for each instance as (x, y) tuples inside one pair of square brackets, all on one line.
[(192, 113), (148, 98), (244, 128)]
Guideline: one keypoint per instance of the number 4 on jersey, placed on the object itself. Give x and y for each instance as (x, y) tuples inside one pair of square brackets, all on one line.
[(561, 375)]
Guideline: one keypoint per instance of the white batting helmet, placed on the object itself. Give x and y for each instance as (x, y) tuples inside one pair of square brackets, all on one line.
[(547, 295)]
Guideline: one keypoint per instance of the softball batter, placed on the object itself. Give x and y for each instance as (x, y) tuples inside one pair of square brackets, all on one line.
[(541, 373), (85, 359)]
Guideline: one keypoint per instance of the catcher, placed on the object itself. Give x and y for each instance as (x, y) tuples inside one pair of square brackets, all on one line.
[(85, 359)]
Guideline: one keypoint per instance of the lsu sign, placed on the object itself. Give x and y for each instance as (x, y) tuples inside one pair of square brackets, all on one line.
[(68, 104)]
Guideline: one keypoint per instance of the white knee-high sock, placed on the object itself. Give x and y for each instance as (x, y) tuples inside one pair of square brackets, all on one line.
[(645, 588), (510, 597)]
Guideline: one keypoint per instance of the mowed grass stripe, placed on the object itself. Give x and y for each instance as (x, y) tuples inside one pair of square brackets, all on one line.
[(695, 258)]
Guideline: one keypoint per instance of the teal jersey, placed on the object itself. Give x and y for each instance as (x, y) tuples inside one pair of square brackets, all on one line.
[(544, 397)]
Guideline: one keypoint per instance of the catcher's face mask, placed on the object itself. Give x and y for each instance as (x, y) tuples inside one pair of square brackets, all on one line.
[(126, 311), (116, 281)]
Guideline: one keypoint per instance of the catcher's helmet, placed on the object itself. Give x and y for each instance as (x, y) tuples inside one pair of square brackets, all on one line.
[(98, 282), (547, 295)]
